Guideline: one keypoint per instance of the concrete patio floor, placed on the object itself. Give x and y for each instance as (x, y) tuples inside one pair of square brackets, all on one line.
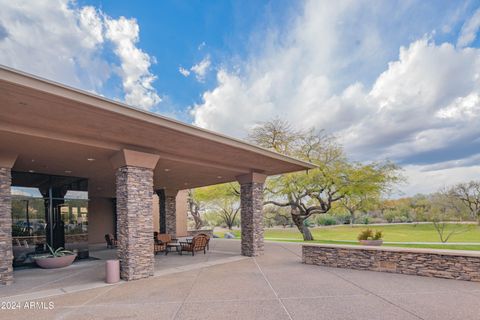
[(273, 286), (91, 273)]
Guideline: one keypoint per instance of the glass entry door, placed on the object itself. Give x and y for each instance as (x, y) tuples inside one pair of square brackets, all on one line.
[(28, 226), (48, 211)]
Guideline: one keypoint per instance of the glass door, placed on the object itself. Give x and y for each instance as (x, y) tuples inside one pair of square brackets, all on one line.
[(48, 210), (28, 226)]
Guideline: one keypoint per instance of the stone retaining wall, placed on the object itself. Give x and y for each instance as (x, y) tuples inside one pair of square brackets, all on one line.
[(192, 233), (449, 264)]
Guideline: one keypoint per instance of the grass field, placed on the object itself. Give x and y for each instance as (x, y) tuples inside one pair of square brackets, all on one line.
[(391, 233)]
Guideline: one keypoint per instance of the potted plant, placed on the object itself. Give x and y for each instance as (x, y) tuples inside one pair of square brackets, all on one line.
[(58, 258), (369, 238)]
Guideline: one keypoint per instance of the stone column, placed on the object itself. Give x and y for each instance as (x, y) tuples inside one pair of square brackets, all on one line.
[(6, 253), (134, 180), (161, 211), (251, 206), (171, 211)]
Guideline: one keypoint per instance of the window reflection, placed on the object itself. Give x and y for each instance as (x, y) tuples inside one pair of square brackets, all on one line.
[(49, 210)]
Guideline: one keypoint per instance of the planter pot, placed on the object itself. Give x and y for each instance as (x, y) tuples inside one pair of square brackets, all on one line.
[(372, 242), (55, 262)]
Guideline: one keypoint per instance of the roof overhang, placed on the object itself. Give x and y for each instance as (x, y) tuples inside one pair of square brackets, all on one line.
[(56, 129)]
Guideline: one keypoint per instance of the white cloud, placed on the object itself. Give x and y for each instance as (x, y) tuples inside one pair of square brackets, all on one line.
[(200, 69), (184, 71), (469, 30), (426, 100), (62, 41), (135, 64), (462, 108), (425, 181), (422, 107)]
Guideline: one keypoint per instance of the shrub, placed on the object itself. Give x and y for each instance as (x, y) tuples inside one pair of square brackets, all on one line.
[(326, 220), (342, 218), (308, 223), (378, 235), (368, 234), (366, 220), (365, 234)]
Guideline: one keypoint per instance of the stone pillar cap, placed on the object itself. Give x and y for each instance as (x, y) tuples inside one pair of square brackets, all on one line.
[(256, 177), (7, 160), (133, 158)]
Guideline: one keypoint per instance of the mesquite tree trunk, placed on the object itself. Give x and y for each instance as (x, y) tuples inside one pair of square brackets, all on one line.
[(299, 222), (194, 207)]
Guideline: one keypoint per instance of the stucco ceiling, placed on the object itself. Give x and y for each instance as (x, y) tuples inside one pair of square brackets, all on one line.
[(59, 130)]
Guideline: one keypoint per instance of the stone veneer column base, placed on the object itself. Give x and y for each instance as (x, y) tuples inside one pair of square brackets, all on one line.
[(135, 222), (171, 214), (6, 254), (251, 206), (449, 264)]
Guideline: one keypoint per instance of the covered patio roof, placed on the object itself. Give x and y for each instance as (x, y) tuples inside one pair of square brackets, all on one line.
[(60, 130)]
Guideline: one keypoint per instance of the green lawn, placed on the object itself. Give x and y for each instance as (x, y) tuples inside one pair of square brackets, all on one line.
[(393, 233)]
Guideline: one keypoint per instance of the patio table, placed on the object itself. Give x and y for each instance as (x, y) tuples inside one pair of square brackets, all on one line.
[(171, 246)]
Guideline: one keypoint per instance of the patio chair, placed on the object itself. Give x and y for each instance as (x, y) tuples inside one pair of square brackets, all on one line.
[(161, 242), (198, 243), (164, 237), (111, 241), (159, 246), (208, 239)]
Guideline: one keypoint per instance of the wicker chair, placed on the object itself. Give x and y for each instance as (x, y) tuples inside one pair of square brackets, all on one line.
[(161, 242), (198, 243), (111, 241), (159, 246), (208, 239)]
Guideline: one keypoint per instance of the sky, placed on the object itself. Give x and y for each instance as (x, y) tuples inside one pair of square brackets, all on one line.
[(397, 80)]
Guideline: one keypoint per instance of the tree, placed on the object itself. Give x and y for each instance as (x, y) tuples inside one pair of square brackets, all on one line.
[(194, 207), (443, 212), (222, 199), (276, 134), (366, 186), (312, 192), (469, 194), (212, 219), (420, 205), (305, 193), (277, 216)]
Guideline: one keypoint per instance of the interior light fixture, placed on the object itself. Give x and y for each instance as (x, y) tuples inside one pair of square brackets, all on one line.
[(90, 159), (166, 169), (68, 171), (31, 171)]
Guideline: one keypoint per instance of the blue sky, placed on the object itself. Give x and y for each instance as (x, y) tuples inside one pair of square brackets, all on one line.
[(394, 80), (181, 33)]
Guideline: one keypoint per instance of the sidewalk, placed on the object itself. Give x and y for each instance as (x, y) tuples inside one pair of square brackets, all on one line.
[(273, 286)]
